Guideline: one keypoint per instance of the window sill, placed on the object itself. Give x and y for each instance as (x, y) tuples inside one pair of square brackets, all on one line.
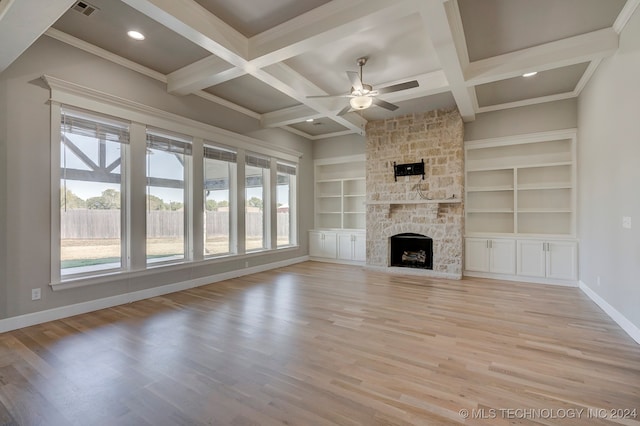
[(151, 269)]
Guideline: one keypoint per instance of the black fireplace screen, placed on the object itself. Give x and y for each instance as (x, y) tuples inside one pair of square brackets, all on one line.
[(411, 251)]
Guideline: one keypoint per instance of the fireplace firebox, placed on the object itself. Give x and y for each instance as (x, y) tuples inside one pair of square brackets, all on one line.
[(411, 251)]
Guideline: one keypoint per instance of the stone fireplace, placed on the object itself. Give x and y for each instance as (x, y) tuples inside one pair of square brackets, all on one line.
[(411, 251), (410, 205)]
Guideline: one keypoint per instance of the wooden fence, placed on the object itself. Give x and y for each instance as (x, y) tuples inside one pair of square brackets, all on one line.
[(103, 224)]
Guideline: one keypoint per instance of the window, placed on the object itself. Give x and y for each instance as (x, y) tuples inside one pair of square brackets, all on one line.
[(257, 171), (219, 200), (286, 204), (168, 161), (93, 150)]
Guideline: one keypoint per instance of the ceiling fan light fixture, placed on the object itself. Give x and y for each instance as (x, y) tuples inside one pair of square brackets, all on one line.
[(361, 102)]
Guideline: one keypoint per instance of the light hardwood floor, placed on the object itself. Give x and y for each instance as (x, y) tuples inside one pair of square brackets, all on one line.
[(323, 344)]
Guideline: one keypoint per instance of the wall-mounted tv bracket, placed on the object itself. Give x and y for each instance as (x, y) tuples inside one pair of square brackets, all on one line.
[(408, 169)]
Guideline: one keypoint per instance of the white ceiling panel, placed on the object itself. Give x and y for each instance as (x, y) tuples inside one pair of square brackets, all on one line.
[(546, 83), (495, 27), (251, 17), (253, 94), (162, 50)]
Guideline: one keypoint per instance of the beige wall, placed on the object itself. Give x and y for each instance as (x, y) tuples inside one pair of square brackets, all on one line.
[(529, 119), (3, 200), (25, 168), (609, 177), (339, 146)]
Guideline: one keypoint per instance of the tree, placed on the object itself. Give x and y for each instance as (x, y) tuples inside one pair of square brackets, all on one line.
[(211, 205), (175, 206), (109, 200), (255, 202), (223, 203), (69, 200), (155, 203)]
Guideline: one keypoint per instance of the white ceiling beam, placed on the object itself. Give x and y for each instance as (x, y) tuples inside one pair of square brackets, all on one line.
[(625, 14), (323, 25), (190, 20), (202, 74), (197, 24), (286, 116), (526, 102), (22, 22), (291, 83), (573, 50), (440, 18)]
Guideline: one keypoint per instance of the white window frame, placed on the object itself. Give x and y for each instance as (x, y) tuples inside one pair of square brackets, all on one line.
[(233, 201), (56, 249), (140, 116)]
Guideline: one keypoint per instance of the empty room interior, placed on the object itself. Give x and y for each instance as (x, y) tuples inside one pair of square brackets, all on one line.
[(319, 212)]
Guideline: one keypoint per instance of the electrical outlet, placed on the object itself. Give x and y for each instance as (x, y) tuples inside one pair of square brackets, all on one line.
[(626, 222), (35, 294), (246, 264), (598, 280)]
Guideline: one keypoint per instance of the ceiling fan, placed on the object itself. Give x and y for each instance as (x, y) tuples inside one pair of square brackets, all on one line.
[(363, 96)]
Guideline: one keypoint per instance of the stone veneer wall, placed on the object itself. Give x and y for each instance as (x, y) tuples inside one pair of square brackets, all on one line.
[(437, 137)]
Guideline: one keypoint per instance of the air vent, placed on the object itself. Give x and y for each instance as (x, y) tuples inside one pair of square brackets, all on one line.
[(84, 8)]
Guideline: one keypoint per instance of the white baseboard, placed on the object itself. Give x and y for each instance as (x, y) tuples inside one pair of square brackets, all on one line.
[(521, 278), (27, 320), (630, 328)]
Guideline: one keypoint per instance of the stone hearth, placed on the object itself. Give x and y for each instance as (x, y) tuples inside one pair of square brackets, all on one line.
[(432, 206)]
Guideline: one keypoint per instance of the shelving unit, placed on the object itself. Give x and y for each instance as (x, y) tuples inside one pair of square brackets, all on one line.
[(520, 200), (340, 193), (522, 185)]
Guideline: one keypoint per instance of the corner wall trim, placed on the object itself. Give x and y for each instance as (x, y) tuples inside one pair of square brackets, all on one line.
[(28, 320), (630, 328)]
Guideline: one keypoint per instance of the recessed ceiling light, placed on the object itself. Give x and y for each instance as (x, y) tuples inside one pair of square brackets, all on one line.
[(530, 74), (136, 35), (309, 120)]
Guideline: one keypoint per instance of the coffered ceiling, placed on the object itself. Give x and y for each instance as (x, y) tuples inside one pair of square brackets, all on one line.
[(263, 58)]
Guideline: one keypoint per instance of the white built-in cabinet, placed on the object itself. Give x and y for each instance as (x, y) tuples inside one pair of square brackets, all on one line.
[(547, 259), (490, 255), (340, 210), (340, 246), (521, 191), (352, 246), (322, 244)]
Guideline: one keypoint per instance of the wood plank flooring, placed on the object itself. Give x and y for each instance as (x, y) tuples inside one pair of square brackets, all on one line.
[(323, 344)]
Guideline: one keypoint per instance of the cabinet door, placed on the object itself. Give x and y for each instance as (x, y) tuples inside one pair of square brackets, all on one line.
[(360, 247), (476, 255), (315, 244), (531, 258), (562, 260), (345, 247), (502, 259), (329, 246)]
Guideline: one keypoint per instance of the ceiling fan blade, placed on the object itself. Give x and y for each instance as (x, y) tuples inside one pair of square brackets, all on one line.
[(344, 110), (384, 104), (354, 78), (328, 96), (397, 87)]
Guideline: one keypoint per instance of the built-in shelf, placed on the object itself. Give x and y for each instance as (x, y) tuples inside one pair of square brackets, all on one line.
[(340, 193), (521, 185)]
